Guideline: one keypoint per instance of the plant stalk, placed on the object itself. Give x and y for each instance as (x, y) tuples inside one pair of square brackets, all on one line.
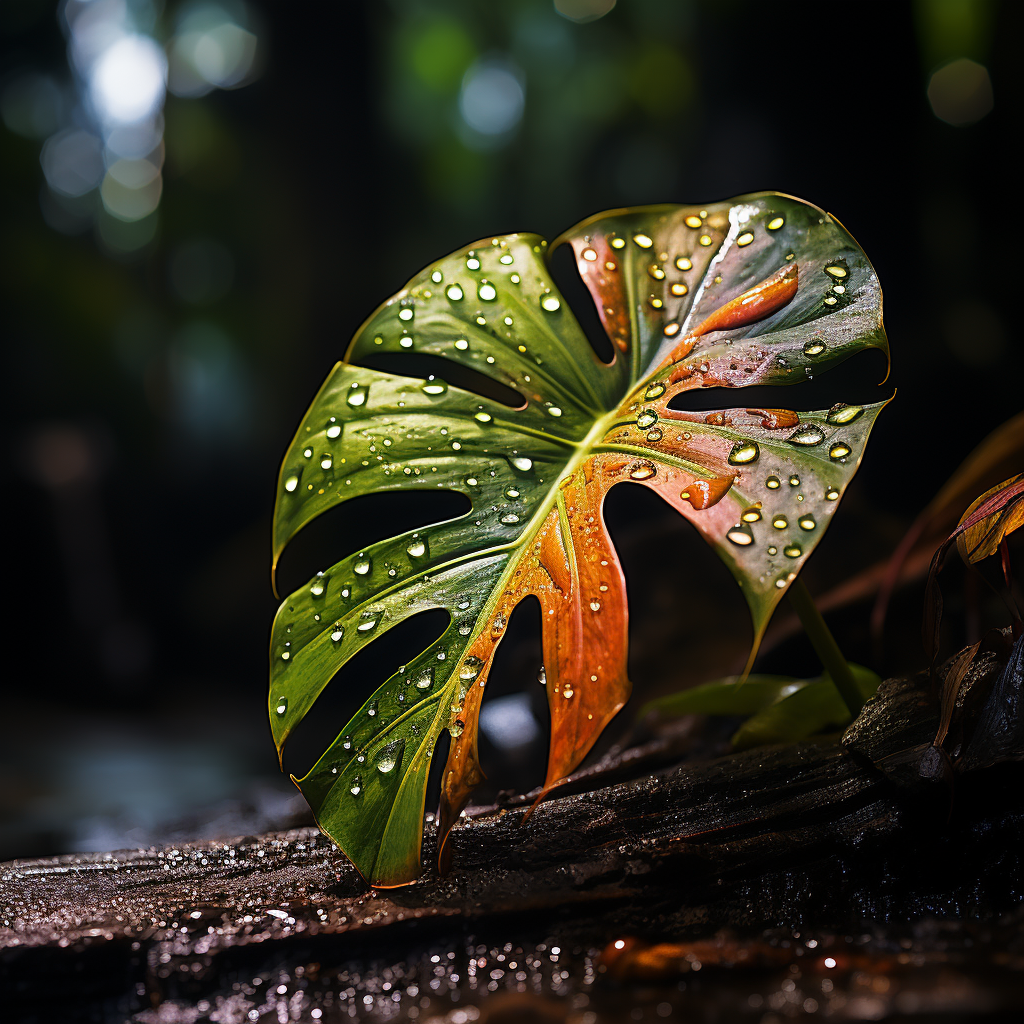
[(825, 646)]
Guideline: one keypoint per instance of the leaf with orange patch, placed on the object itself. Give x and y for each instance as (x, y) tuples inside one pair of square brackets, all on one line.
[(765, 290)]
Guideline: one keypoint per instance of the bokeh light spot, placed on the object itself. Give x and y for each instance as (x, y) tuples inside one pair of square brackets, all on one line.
[(492, 98), (583, 10), (127, 80), (961, 92)]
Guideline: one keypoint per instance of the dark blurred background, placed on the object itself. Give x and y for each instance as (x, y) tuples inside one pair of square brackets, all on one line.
[(202, 200)]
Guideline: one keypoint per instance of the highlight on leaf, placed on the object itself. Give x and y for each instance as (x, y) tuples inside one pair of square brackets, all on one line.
[(764, 289)]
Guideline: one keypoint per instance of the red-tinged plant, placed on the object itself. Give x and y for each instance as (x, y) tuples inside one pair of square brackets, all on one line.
[(764, 289)]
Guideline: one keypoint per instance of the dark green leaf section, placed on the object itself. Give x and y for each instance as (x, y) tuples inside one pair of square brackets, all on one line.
[(782, 708), (494, 309)]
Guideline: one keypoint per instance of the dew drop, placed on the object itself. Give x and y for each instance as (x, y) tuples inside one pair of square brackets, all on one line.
[(670, 330), (683, 263), (752, 514), (470, 668), (744, 452), (425, 680), (656, 272), (456, 727), (487, 291), (772, 549), (471, 481), (775, 223), (511, 492), (807, 522), (553, 410), (781, 582), (318, 585), (773, 483), (839, 450), (510, 519), (506, 259), (434, 386), (483, 417), (523, 464), (461, 344), (745, 239), (843, 414), (291, 483), (693, 222), (814, 347), (542, 676), (454, 292), (370, 621), (333, 429), (654, 391), (780, 522), (705, 239), (792, 551), (282, 705), (472, 263), (654, 434), (679, 289), (644, 241), (550, 304), (338, 632), (642, 470), (326, 462), (617, 243), (595, 606), (807, 435), (567, 693), (589, 255), (357, 395), (371, 710), (646, 419), (389, 757), (357, 786), (406, 313), (498, 625), (740, 535), (836, 271), (363, 565), (417, 547), (831, 494)]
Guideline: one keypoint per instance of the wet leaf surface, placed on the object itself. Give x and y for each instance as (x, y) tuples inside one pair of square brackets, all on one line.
[(761, 290)]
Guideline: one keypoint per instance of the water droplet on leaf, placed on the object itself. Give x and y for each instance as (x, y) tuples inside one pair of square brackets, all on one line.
[(740, 535), (843, 414), (744, 452), (807, 435)]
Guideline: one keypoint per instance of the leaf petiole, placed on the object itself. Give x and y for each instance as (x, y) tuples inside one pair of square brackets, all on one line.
[(825, 646)]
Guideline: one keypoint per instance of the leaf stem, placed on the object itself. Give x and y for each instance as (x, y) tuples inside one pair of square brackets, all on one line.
[(825, 646)]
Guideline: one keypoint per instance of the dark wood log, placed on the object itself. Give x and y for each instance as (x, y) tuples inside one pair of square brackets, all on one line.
[(834, 839)]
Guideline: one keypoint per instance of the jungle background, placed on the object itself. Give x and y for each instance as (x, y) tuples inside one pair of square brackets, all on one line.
[(180, 268)]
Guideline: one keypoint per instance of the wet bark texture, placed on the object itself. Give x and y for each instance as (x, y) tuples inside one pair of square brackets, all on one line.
[(859, 841)]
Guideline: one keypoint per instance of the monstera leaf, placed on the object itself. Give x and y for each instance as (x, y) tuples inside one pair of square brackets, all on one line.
[(762, 290)]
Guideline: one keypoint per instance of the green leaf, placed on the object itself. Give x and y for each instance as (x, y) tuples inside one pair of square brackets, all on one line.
[(732, 695), (763, 290), (812, 708)]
